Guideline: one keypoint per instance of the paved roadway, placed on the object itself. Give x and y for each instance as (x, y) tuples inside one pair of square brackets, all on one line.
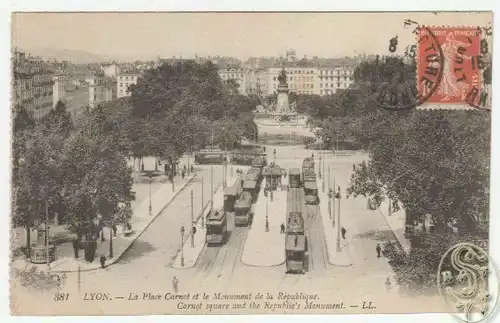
[(219, 268), (145, 267)]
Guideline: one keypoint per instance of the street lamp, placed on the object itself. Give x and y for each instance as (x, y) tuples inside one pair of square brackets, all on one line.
[(192, 219), (212, 185), (202, 204), (225, 159), (319, 165), (150, 174), (182, 245), (267, 214), (338, 219)]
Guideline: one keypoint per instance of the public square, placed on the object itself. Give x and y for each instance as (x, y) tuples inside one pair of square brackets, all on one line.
[(148, 264)]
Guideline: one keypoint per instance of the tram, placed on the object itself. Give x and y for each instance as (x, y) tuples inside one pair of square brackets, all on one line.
[(296, 256), (216, 224), (294, 178), (210, 156), (243, 210)]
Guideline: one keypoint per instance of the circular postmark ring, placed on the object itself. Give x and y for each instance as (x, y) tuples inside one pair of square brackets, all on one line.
[(394, 91), (472, 267)]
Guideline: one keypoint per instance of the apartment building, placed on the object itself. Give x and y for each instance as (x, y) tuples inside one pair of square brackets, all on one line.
[(330, 79), (124, 81), (32, 84), (301, 80), (101, 89), (239, 75)]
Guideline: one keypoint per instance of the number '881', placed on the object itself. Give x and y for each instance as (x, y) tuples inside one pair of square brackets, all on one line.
[(61, 296)]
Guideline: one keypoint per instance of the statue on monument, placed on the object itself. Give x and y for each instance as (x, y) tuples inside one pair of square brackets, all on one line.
[(282, 78)]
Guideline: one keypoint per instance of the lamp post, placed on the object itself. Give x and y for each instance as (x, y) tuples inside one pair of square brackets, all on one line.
[(319, 165), (150, 206), (212, 185), (267, 214), (338, 219), (202, 204), (172, 176), (182, 246), (225, 158), (192, 219), (333, 204)]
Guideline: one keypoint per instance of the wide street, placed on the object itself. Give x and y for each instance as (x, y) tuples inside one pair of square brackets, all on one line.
[(147, 265)]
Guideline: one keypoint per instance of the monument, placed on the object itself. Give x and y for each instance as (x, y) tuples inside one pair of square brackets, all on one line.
[(283, 111)]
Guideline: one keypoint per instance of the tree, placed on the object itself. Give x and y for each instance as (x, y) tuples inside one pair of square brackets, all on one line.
[(58, 120), (95, 192), (37, 184), (434, 162)]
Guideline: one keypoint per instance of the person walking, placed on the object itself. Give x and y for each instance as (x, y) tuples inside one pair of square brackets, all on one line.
[(388, 284), (282, 228), (175, 284), (76, 247), (103, 261), (344, 231), (183, 173), (192, 168), (378, 250)]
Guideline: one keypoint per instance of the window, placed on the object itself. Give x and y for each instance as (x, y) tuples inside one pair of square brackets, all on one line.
[(338, 84)]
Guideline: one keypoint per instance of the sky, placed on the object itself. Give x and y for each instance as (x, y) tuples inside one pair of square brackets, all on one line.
[(242, 35)]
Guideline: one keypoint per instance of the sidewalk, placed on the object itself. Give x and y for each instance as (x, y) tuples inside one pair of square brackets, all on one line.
[(191, 254), (342, 258), (140, 221), (396, 222), (266, 249)]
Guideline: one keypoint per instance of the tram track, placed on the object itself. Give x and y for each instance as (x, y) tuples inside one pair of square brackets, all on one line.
[(215, 262)]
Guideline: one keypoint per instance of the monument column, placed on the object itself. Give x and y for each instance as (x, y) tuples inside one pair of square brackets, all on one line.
[(282, 106)]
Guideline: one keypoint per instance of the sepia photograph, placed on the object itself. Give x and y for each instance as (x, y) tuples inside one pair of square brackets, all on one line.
[(250, 163)]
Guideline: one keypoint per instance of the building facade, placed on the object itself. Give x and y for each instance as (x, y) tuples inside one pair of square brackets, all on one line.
[(237, 74), (101, 89), (111, 70), (123, 81), (330, 79), (301, 80), (32, 84)]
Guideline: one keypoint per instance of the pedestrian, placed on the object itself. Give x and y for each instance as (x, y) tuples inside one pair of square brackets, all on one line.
[(282, 228), (103, 261), (378, 250), (343, 232), (192, 168), (388, 283), (183, 173), (175, 284), (76, 247), (353, 167)]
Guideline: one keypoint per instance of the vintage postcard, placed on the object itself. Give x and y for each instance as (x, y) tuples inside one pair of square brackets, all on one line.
[(251, 163)]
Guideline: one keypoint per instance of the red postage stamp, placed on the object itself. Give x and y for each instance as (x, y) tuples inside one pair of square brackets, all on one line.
[(460, 48)]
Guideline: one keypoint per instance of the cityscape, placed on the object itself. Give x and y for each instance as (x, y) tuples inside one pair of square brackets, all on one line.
[(41, 82), (245, 185)]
